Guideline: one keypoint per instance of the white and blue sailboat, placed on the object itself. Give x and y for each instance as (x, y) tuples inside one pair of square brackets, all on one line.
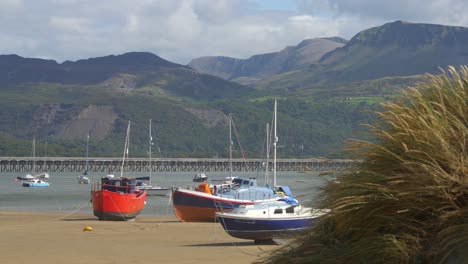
[(201, 204), (34, 180), (265, 221), (84, 179), (144, 183)]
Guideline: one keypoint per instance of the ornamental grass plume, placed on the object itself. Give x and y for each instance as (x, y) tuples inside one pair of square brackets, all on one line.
[(407, 202)]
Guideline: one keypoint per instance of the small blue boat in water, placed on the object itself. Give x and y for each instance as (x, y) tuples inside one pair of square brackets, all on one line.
[(268, 220), (35, 183), (34, 180)]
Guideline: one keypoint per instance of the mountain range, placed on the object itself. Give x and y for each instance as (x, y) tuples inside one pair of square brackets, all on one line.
[(394, 49), (247, 71), (326, 88)]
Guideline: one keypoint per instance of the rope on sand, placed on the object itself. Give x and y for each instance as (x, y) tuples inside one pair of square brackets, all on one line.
[(72, 212)]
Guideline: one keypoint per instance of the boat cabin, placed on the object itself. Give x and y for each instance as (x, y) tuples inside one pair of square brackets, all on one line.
[(123, 185), (244, 182)]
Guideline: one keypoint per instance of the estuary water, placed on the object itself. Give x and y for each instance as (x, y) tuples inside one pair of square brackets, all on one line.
[(65, 194)]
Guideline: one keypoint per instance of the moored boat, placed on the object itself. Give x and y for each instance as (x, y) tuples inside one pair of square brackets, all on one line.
[(261, 222), (83, 179), (151, 190), (201, 204), (117, 199), (35, 182), (144, 183)]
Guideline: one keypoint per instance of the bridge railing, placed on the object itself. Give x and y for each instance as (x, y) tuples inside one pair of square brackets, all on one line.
[(110, 164)]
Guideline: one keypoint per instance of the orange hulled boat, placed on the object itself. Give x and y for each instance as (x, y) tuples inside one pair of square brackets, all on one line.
[(201, 204)]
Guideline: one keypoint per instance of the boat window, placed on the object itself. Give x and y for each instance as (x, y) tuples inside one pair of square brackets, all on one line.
[(290, 209), (278, 211), (237, 181), (245, 182)]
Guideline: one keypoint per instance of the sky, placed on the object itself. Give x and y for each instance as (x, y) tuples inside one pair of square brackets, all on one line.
[(182, 30)]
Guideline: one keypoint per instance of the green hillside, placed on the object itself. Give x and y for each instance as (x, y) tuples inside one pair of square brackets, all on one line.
[(184, 126)]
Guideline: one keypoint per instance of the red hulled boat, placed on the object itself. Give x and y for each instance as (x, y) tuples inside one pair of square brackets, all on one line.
[(117, 199)]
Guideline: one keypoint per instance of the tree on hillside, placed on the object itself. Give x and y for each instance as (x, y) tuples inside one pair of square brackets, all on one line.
[(407, 202)]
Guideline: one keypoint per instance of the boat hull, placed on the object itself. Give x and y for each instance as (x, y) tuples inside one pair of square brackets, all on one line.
[(35, 184), (193, 206), (264, 229), (115, 206)]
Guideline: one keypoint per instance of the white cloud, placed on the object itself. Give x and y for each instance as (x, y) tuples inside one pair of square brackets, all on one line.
[(133, 24), (451, 12), (69, 25), (183, 24), (185, 29)]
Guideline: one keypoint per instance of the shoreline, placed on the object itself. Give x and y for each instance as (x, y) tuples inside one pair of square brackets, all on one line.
[(58, 237)]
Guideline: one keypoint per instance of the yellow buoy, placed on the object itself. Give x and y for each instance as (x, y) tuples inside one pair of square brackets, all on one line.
[(87, 228)]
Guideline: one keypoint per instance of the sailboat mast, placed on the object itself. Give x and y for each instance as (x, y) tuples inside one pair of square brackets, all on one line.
[(87, 154), (267, 180), (34, 156), (230, 146), (275, 141), (150, 144), (125, 149)]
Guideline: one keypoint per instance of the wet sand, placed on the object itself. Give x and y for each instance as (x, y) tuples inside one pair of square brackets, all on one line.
[(40, 238)]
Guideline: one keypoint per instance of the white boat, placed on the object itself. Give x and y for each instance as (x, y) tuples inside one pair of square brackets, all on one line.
[(43, 175), (152, 190), (84, 179), (34, 180), (144, 183), (25, 177), (201, 204), (263, 222)]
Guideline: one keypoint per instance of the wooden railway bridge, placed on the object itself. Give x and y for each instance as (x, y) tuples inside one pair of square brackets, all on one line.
[(75, 164)]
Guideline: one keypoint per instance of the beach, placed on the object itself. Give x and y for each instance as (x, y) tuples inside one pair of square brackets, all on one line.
[(58, 237), (45, 225)]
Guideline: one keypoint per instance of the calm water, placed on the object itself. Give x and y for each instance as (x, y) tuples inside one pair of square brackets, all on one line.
[(65, 195)]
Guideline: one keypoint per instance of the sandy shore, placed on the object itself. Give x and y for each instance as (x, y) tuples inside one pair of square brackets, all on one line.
[(36, 237)]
